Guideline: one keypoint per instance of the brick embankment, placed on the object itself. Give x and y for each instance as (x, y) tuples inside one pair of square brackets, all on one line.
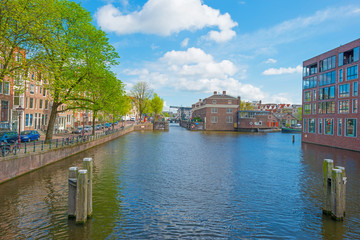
[(16, 165)]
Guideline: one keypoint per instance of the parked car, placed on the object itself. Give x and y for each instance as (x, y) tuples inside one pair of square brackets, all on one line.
[(88, 128), (8, 136), (77, 130), (30, 135), (107, 125), (99, 127), (132, 119)]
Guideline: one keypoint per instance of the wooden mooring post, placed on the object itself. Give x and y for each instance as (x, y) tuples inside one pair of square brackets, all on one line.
[(81, 196), (88, 165), (73, 171), (334, 188)]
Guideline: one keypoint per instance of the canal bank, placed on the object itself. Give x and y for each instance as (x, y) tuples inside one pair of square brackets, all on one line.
[(15, 166)]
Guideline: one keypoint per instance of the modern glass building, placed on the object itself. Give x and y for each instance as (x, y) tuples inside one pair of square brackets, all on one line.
[(330, 98)]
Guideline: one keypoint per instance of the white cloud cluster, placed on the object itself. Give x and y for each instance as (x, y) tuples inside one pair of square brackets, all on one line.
[(164, 17), (271, 60), (280, 71), (195, 70)]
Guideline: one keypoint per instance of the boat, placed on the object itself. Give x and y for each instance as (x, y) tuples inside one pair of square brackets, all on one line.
[(291, 129)]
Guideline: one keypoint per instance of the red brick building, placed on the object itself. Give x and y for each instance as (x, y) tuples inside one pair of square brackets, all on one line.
[(331, 98), (218, 112)]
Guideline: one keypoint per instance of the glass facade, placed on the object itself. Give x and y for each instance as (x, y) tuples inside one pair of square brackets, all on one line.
[(352, 72), (327, 78), (329, 126), (312, 125), (350, 127), (344, 106), (344, 90)]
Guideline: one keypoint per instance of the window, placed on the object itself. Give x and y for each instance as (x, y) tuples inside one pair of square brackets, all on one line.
[(31, 120), (344, 90), (304, 125), (213, 101), (214, 110), (327, 64), (326, 107), (354, 105), (314, 108), (307, 108), (314, 95), (229, 119), (341, 75), (40, 104), (352, 72), (26, 120), (44, 92), (339, 130), (320, 126), (307, 96), (6, 88), (214, 119), (310, 82), (229, 102), (310, 70), (32, 88), (31, 103), (344, 106), (312, 125), (355, 89), (35, 103), (1, 87), (350, 130), (229, 110), (329, 126), (327, 78), (46, 104), (349, 56), (327, 93), (16, 98)]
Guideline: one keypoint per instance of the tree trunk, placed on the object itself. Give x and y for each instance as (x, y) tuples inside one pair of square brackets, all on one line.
[(51, 124), (93, 121)]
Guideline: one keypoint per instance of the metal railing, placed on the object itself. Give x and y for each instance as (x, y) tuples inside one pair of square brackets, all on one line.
[(40, 146)]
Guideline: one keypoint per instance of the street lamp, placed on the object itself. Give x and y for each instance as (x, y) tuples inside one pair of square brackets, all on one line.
[(19, 110)]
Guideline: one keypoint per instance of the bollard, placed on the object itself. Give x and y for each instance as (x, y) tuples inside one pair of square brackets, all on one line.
[(338, 180), (293, 138), (42, 145), (81, 196), (73, 171), (34, 146), (328, 165), (88, 165)]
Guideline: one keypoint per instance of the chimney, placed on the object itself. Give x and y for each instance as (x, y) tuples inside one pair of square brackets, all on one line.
[(224, 92), (200, 100), (215, 92)]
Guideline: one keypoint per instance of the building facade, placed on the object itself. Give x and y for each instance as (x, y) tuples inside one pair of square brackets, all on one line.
[(218, 112), (330, 98)]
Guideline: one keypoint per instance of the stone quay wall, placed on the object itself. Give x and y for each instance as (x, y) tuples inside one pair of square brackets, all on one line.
[(14, 166)]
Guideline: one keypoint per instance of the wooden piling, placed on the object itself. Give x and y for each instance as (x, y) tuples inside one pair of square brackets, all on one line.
[(328, 166), (88, 165), (81, 196), (293, 138), (338, 193), (73, 171)]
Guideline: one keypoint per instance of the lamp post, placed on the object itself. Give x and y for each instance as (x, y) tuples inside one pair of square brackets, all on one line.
[(19, 110)]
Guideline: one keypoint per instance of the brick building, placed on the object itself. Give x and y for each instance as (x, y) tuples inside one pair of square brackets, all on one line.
[(218, 111), (330, 98)]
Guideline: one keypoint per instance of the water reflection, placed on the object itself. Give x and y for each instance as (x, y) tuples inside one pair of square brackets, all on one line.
[(182, 184)]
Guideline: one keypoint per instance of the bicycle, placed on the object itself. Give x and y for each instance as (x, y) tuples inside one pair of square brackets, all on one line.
[(6, 148)]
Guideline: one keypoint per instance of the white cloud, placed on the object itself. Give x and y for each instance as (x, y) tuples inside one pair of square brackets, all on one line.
[(195, 70), (280, 71), (185, 42), (164, 17), (271, 60)]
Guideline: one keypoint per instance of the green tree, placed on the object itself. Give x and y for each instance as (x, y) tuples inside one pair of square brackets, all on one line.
[(156, 105), (246, 106), (141, 93), (69, 48), (298, 115)]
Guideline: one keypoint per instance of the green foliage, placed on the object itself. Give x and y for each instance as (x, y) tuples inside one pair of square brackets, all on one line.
[(197, 119), (246, 106), (141, 93), (298, 115), (156, 104)]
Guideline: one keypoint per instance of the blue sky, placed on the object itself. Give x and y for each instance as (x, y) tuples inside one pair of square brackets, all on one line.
[(186, 49)]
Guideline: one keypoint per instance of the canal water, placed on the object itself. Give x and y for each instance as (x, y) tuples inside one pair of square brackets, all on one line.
[(184, 185)]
